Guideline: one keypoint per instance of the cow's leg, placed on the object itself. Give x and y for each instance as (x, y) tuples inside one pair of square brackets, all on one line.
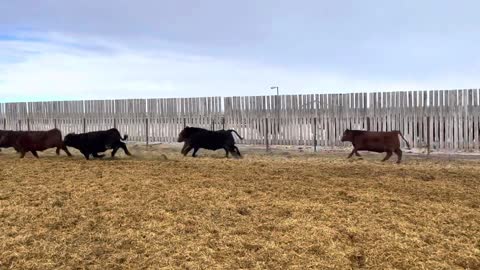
[(34, 153), (226, 152), (86, 155), (57, 151), (185, 145), (351, 154), (399, 154), (22, 153), (65, 149), (115, 149), (187, 149), (118, 146), (389, 154), (357, 154), (234, 152), (195, 152), (238, 151), (124, 147)]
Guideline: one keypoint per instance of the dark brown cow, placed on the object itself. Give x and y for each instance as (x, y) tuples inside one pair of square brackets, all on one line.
[(33, 141), (375, 141)]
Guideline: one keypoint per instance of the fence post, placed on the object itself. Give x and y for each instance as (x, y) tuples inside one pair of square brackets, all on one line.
[(315, 134), (4, 123), (266, 135), (184, 122), (84, 125), (146, 130), (55, 122), (114, 122), (28, 124), (328, 127), (428, 136), (368, 123), (19, 125), (213, 124), (223, 123)]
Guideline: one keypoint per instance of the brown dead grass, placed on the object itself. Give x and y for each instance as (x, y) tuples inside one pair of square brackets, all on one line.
[(265, 211)]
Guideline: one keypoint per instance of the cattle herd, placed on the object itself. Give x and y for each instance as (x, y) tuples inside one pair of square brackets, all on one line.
[(96, 142)]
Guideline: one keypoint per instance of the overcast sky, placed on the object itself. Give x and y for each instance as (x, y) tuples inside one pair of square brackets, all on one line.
[(83, 49)]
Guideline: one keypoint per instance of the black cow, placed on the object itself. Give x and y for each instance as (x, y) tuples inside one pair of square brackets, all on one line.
[(375, 141), (92, 143), (33, 141), (196, 138)]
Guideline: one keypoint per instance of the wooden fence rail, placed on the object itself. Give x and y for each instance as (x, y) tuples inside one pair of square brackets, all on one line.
[(437, 119)]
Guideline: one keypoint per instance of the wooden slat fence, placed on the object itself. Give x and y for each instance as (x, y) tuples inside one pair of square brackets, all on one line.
[(435, 119), (166, 117)]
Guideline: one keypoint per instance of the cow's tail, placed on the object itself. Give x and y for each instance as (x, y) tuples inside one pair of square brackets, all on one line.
[(232, 130), (401, 135), (125, 137)]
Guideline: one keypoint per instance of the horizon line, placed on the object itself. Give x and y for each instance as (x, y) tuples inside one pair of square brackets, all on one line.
[(237, 96)]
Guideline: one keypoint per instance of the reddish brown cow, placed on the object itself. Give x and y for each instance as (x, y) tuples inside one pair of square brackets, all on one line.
[(375, 141), (33, 141)]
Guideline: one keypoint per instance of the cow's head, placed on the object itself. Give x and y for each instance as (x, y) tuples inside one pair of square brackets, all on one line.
[(184, 134), (3, 138), (347, 136), (69, 139), (187, 132)]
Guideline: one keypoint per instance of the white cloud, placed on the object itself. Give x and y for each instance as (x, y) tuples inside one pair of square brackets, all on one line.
[(60, 67)]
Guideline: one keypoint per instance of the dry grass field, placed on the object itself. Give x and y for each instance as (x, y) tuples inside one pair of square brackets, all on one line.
[(279, 211)]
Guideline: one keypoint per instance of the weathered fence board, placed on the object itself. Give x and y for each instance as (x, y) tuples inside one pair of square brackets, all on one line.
[(434, 119)]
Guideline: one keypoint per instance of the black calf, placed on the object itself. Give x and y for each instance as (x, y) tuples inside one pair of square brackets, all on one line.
[(196, 138), (92, 143)]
